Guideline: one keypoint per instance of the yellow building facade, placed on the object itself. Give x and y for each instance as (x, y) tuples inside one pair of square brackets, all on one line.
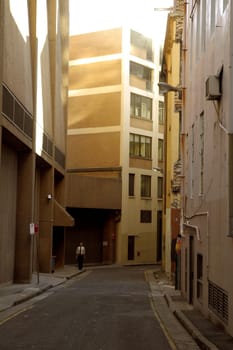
[(171, 74)]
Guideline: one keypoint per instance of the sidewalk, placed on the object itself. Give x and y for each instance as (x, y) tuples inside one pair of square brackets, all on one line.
[(14, 294), (197, 330)]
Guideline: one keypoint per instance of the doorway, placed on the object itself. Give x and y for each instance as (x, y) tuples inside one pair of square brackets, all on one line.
[(191, 268), (131, 247), (159, 235)]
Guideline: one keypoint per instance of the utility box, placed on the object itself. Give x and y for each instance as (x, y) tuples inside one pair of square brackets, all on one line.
[(212, 88)]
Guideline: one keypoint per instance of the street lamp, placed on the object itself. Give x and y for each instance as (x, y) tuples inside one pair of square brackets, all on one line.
[(165, 87)]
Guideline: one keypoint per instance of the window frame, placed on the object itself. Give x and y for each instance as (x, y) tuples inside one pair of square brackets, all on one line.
[(138, 104), (131, 187), (145, 186), (160, 150), (140, 149), (145, 216)]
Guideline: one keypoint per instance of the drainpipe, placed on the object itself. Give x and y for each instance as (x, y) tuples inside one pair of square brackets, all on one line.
[(187, 224), (182, 129), (230, 135)]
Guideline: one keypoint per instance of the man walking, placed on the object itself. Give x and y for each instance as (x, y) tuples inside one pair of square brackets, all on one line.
[(80, 254)]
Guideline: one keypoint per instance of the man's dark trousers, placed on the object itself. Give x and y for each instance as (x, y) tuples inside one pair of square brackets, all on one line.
[(80, 261)]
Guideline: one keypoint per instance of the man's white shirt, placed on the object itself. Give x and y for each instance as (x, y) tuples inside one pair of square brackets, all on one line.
[(80, 250)]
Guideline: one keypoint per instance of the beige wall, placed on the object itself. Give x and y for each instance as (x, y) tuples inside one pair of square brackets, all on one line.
[(95, 44), (95, 75), (91, 111), (93, 192), (141, 124), (97, 150), (140, 163)]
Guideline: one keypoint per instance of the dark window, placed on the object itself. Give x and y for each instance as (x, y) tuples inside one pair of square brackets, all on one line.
[(160, 187), (131, 184), (145, 186), (146, 216)]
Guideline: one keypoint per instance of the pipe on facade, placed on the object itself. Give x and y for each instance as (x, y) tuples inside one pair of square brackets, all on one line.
[(204, 213), (230, 135), (194, 227)]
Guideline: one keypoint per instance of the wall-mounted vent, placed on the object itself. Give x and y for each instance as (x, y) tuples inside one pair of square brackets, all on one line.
[(212, 88), (14, 111), (47, 145), (218, 301), (59, 157)]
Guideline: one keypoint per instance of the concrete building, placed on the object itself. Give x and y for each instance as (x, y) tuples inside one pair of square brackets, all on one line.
[(33, 104), (113, 142), (207, 160)]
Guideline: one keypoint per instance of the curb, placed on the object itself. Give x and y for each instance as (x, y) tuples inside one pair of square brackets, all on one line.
[(35, 291), (31, 295), (199, 338)]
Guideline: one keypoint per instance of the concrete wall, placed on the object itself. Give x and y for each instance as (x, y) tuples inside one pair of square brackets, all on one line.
[(8, 190), (207, 207), (33, 75)]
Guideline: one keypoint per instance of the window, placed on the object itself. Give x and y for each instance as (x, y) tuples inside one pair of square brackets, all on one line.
[(213, 16), (198, 30), (143, 73), (224, 5), (131, 184), (145, 216), (140, 107), (161, 112), (141, 41), (160, 188), (203, 26), (192, 161), (145, 186), (140, 146), (160, 150)]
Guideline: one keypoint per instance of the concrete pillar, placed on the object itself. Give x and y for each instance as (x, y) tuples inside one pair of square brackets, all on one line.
[(46, 219), (23, 240)]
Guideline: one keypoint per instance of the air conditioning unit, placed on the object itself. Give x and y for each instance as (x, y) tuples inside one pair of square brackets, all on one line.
[(212, 88)]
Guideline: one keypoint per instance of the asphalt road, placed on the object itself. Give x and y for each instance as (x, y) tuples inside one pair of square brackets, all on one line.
[(107, 309)]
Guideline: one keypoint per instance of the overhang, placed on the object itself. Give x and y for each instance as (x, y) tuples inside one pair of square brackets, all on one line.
[(61, 216)]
